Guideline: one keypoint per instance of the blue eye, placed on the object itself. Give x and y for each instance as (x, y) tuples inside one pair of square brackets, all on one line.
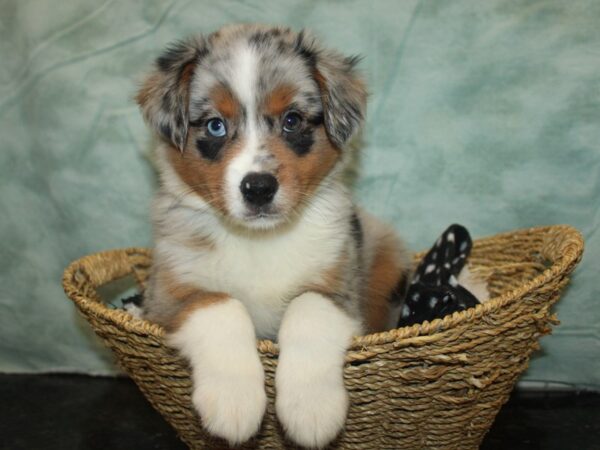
[(216, 128), (291, 122)]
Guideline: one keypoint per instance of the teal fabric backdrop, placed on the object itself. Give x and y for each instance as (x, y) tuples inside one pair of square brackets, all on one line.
[(484, 113)]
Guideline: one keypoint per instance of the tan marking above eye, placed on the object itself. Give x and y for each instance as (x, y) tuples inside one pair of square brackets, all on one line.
[(225, 101), (279, 99)]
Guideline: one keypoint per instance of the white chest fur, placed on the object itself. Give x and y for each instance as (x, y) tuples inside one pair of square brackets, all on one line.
[(265, 271)]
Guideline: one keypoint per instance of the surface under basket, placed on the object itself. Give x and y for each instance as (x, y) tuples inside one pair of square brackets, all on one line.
[(435, 385)]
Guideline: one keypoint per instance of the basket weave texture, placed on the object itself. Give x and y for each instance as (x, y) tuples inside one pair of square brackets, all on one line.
[(434, 385)]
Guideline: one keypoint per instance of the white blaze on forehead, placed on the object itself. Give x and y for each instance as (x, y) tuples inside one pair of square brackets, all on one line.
[(244, 80), (244, 75)]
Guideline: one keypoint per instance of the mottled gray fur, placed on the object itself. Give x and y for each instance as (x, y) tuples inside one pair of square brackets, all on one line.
[(187, 69)]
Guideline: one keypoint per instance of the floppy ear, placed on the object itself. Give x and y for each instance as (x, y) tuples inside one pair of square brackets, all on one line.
[(164, 96), (344, 96), (343, 91)]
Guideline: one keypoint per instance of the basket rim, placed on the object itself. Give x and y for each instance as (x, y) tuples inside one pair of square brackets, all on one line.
[(571, 253)]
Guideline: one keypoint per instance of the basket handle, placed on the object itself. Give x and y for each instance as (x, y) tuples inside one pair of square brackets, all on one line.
[(83, 276), (563, 247)]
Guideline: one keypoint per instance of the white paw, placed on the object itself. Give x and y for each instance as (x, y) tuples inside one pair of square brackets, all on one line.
[(231, 405), (312, 411), (228, 377)]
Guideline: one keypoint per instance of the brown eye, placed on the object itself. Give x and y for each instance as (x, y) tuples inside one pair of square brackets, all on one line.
[(291, 122)]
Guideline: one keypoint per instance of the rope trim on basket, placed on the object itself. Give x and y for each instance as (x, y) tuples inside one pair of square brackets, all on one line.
[(567, 255)]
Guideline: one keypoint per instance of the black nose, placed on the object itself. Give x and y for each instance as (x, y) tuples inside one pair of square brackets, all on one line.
[(259, 189)]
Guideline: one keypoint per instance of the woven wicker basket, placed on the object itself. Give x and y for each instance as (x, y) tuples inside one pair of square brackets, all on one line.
[(432, 385)]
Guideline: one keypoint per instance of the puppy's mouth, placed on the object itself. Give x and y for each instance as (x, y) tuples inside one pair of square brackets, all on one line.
[(263, 217)]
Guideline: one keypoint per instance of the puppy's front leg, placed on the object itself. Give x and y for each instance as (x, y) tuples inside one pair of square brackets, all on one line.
[(228, 378), (312, 402)]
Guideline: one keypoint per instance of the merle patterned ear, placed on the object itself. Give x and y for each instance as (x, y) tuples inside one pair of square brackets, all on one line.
[(343, 91), (344, 99), (164, 95)]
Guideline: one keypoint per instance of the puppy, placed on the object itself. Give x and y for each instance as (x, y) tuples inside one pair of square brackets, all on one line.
[(256, 234)]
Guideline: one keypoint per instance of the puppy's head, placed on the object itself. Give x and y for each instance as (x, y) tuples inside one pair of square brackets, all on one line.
[(255, 118)]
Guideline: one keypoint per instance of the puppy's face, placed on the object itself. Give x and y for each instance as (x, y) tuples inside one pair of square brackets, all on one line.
[(256, 118)]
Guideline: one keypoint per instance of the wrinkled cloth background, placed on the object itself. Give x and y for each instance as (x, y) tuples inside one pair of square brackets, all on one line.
[(481, 113)]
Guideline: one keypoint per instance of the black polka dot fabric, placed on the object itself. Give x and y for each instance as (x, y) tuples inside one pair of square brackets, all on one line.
[(434, 291)]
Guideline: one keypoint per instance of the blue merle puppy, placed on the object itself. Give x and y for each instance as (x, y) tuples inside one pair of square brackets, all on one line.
[(256, 233)]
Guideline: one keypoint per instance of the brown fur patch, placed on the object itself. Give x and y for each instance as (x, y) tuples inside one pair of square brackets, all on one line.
[(384, 275), (187, 298), (332, 280), (205, 178), (320, 79), (301, 175), (201, 300), (187, 73), (148, 89), (225, 102), (279, 99)]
